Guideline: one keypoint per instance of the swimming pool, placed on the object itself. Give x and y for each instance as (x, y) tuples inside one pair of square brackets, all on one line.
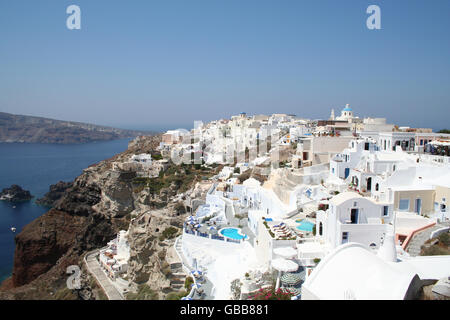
[(233, 233), (306, 225)]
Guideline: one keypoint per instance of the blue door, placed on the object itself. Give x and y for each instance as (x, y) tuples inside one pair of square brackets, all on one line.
[(418, 205), (347, 172)]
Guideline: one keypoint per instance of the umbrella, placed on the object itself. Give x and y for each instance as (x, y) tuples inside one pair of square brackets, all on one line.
[(186, 298), (212, 228), (284, 265), (295, 291), (196, 272), (286, 252), (290, 279)]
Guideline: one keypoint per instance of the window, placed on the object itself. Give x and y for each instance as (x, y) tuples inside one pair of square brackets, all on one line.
[(332, 170), (366, 146), (403, 205), (344, 237), (377, 187), (385, 211)]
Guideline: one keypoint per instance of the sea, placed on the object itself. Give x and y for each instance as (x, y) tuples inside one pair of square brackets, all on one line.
[(35, 167)]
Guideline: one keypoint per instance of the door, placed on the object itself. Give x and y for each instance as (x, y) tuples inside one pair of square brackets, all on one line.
[(354, 216), (418, 205), (347, 172), (369, 184)]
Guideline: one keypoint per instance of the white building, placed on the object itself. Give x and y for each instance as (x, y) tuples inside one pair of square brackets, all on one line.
[(353, 218)]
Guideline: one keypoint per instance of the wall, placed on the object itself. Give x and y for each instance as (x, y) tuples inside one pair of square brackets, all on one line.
[(442, 192), (427, 197), (330, 144), (263, 245), (364, 234)]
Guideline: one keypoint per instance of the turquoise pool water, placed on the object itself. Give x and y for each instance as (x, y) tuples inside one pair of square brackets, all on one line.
[(232, 233), (306, 226)]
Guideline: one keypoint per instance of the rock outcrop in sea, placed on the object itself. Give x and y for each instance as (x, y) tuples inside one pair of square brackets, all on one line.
[(15, 193)]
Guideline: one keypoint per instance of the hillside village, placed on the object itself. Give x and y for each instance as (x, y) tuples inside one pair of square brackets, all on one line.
[(292, 208)]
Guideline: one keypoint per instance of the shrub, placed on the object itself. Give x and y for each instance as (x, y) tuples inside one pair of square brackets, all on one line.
[(65, 294), (188, 282), (144, 293), (168, 233), (157, 156), (272, 294), (444, 238), (316, 260), (176, 295)]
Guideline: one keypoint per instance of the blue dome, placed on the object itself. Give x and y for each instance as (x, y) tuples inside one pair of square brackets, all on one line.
[(347, 108)]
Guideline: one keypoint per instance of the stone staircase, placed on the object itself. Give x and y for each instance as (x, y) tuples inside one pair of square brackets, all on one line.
[(416, 243), (178, 276)]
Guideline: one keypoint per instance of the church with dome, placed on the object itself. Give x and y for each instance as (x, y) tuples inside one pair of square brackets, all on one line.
[(346, 114)]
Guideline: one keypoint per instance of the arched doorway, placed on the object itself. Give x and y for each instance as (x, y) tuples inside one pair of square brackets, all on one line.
[(369, 184)]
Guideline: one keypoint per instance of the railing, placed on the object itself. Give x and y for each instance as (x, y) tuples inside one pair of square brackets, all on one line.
[(412, 234), (212, 236), (215, 236)]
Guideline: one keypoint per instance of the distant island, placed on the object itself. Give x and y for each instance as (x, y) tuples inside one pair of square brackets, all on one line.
[(15, 194), (30, 129)]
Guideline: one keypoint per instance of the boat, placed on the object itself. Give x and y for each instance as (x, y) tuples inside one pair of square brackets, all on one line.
[(13, 229)]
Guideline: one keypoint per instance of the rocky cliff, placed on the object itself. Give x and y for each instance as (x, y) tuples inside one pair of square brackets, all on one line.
[(87, 216), (99, 203), (29, 129), (55, 193)]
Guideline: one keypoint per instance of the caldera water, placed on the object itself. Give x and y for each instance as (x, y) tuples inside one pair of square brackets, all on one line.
[(35, 167)]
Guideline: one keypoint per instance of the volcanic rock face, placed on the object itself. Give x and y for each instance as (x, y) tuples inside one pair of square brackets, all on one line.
[(15, 194), (79, 222), (117, 194), (148, 249), (90, 213), (55, 193), (63, 233)]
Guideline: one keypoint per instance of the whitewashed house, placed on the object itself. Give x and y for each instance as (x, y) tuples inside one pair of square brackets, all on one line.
[(353, 218)]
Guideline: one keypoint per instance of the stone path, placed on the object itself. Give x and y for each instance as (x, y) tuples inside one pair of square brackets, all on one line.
[(419, 239), (94, 268)]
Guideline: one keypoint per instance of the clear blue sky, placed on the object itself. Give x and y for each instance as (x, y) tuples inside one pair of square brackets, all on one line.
[(145, 63)]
